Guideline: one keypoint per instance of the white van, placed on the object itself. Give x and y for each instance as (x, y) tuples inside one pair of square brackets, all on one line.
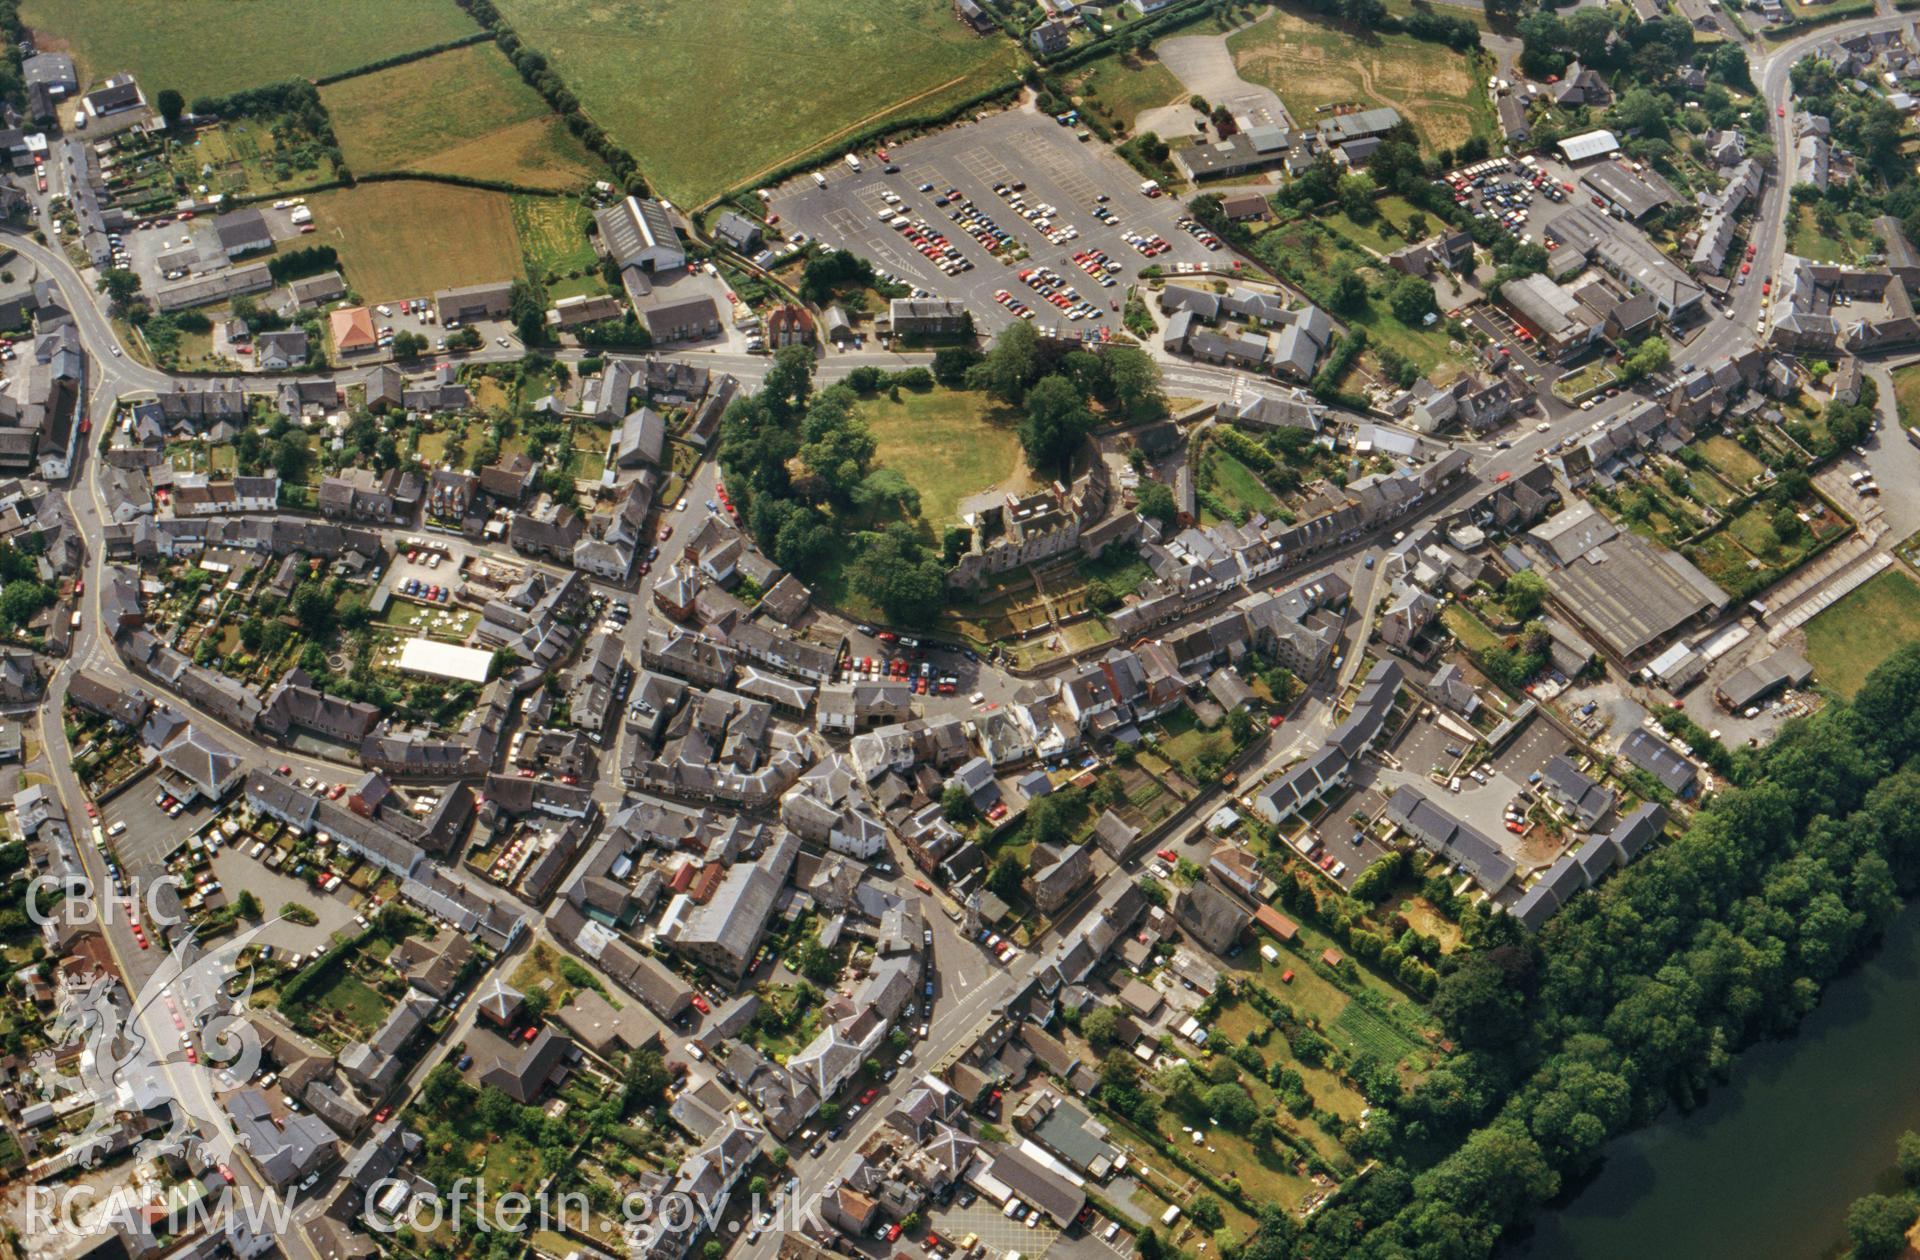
[(820, 179), (259, 847)]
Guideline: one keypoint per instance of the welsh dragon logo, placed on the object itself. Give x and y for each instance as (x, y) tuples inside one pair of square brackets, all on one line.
[(171, 1048)]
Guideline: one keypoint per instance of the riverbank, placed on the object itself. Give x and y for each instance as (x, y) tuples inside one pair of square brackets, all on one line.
[(1769, 1165)]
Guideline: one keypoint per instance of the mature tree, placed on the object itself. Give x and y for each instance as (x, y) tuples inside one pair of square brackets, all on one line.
[(1640, 109), (1878, 1224), (1347, 293), (1099, 1026), (1355, 192), (1156, 503), (292, 457), (20, 599), (1011, 365), (788, 383), (950, 366), (313, 608), (1412, 300), (1057, 422), (955, 805), (1648, 358), (1205, 1212), (122, 289), (1133, 377), (897, 572), (1907, 1157), (1523, 595), (171, 105), (885, 492), (1230, 1104), (1003, 878)]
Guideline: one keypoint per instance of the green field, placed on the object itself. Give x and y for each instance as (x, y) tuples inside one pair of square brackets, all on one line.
[(400, 119), (1119, 88), (949, 444), (1311, 63), (1906, 394), (1236, 486), (211, 47), (710, 95), (406, 239), (1868, 625), (553, 237)]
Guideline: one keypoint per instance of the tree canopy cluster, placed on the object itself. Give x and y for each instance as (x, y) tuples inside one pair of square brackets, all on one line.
[(1056, 386)]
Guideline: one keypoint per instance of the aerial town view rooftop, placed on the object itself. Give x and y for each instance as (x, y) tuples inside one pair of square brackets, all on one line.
[(959, 629)]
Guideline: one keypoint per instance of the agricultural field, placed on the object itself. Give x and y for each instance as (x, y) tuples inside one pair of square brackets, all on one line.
[(212, 47), (1311, 63), (770, 58), (405, 239), (399, 120), (948, 444), (1864, 628)]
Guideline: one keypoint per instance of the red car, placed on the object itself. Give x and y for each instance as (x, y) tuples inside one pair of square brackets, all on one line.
[(700, 1004), (380, 1116), (1274, 721), (1169, 855), (530, 1034), (226, 1174), (91, 811), (893, 1232)]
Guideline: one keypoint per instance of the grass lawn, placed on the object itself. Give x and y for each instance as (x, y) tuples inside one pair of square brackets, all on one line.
[(211, 47), (1849, 639), (1237, 486), (794, 76), (553, 236), (399, 120), (1807, 240), (407, 239), (1374, 233), (1906, 393), (1311, 63), (1119, 88), (949, 444), (1733, 460)]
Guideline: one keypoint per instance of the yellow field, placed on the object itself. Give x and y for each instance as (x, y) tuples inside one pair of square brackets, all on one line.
[(1311, 63), (406, 239), (463, 112)]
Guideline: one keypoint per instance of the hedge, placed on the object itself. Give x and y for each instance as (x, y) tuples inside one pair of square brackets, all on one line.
[(401, 59)]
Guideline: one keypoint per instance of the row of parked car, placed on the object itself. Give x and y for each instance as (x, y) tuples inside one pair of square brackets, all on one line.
[(1198, 231), (933, 243), (430, 592)]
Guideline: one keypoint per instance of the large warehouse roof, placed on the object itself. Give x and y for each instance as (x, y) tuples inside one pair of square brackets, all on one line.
[(1589, 145), (445, 660)]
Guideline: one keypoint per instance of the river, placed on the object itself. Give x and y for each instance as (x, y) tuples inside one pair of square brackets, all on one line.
[(1767, 1167)]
